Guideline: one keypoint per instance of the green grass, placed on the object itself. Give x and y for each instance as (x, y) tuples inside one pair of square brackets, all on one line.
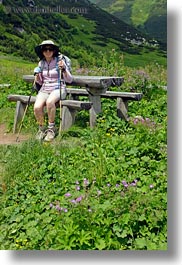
[(144, 59), (14, 68)]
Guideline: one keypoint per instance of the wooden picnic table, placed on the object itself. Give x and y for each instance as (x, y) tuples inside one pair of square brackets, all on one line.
[(95, 86)]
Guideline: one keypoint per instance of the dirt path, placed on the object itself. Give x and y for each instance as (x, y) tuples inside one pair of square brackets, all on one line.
[(10, 138)]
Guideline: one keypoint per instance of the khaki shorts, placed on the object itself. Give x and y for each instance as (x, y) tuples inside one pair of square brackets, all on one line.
[(54, 95)]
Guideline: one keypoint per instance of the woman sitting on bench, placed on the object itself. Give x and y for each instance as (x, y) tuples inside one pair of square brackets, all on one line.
[(52, 86)]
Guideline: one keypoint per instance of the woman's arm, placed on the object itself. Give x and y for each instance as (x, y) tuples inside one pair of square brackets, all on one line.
[(67, 76), (38, 74)]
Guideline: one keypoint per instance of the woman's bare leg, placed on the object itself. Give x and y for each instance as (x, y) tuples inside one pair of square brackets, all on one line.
[(39, 107), (51, 105)]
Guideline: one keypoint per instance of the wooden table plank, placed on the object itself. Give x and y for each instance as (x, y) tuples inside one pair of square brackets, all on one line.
[(102, 82)]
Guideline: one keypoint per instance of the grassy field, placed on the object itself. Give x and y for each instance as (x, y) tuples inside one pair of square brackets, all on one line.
[(13, 68), (100, 189)]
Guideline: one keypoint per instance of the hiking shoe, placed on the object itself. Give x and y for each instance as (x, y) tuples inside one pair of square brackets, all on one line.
[(50, 134), (40, 135)]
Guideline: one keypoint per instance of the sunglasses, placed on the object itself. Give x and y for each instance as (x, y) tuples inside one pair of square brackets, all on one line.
[(48, 49)]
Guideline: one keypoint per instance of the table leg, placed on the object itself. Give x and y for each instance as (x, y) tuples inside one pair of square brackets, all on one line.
[(95, 109)]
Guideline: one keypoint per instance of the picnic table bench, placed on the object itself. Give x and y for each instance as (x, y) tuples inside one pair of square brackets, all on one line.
[(121, 97), (92, 87), (69, 109)]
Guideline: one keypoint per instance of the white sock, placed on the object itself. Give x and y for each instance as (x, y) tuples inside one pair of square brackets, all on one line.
[(51, 124)]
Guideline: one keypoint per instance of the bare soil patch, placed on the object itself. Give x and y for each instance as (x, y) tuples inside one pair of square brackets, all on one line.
[(10, 138)]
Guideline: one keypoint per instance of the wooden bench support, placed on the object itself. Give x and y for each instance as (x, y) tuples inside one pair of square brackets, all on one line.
[(69, 110), (20, 108), (67, 118), (21, 102), (122, 109)]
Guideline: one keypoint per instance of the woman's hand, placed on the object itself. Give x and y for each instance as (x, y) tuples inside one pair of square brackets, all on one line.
[(37, 78), (62, 65)]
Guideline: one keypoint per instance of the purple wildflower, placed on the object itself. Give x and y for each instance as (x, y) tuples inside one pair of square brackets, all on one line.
[(77, 187), (86, 182), (78, 199), (59, 208), (77, 182), (73, 201), (51, 205), (67, 194), (117, 185), (123, 182), (151, 186), (108, 184), (135, 121), (65, 210)]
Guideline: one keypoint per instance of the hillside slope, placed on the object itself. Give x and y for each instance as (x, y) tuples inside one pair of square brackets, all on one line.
[(148, 16), (79, 27)]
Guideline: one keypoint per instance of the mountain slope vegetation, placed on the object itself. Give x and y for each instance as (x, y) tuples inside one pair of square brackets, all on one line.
[(79, 27), (147, 16)]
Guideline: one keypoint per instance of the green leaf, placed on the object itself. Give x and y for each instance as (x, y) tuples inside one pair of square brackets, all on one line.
[(140, 243), (100, 244), (142, 217), (124, 234)]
